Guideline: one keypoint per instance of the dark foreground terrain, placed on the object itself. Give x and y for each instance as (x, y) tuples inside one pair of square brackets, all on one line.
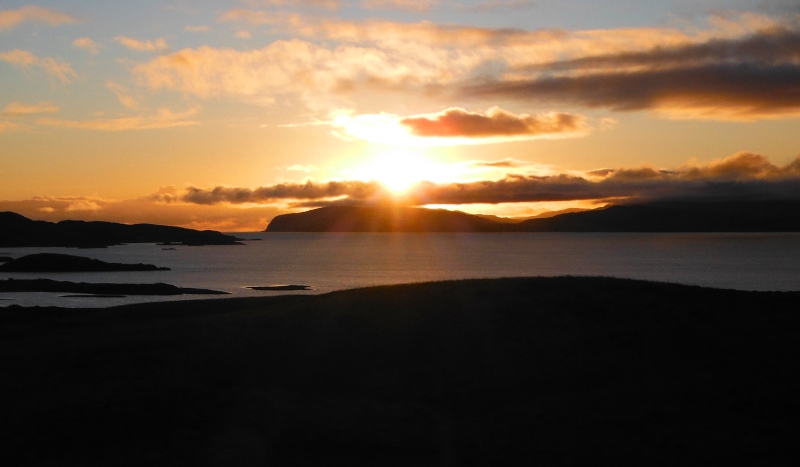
[(542, 371)]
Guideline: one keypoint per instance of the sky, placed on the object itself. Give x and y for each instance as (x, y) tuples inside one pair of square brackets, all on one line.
[(221, 115)]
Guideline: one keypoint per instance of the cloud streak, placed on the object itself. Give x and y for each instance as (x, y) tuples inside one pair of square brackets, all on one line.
[(164, 118), (741, 176), (456, 126), (728, 79), (9, 19), (25, 60), (157, 45), (16, 109)]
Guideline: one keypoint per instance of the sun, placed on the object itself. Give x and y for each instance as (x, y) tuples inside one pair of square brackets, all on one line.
[(398, 170)]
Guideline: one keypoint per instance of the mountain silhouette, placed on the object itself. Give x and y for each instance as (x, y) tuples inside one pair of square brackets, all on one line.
[(19, 231), (666, 216)]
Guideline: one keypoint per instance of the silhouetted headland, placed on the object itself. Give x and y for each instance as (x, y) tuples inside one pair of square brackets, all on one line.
[(673, 216), (55, 262), (5, 259), (100, 289), (19, 231), (381, 219), (537, 371)]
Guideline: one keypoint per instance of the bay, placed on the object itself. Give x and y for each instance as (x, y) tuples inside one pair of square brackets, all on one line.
[(335, 261)]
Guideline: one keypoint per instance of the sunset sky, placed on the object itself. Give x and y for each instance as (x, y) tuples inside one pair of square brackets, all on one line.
[(224, 114)]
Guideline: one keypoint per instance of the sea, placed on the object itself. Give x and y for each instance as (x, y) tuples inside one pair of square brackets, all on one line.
[(335, 261)]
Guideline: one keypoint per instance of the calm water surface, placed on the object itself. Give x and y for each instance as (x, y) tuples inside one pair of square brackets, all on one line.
[(330, 262)]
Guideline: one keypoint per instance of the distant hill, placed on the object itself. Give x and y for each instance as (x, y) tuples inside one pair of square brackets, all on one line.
[(674, 216), (373, 219), (19, 231), (677, 216)]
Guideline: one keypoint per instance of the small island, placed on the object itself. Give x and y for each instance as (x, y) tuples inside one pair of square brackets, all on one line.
[(55, 262), (280, 287)]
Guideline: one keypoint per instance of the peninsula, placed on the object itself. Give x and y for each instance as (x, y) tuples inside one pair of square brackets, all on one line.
[(19, 231), (54, 262)]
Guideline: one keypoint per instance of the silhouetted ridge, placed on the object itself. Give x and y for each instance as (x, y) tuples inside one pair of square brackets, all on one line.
[(677, 216), (674, 216), (19, 231), (382, 219)]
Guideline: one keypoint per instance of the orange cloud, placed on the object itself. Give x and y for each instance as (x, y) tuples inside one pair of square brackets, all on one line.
[(24, 59), (16, 109), (455, 126), (9, 127), (143, 46), (10, 19), (164, 118), (87, 44), (413, 5)]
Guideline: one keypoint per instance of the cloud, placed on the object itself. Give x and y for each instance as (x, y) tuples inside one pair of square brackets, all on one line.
[(157, 45), (741, 176), (24, 59), (87, 44), (285, 191), (456, 126), (164, 118), (495, 122), (10, 19), (282, 67), (123, 94), (728, 79), (16, 109), (490, 5), (9, 127), (197, 28), (412, 5)]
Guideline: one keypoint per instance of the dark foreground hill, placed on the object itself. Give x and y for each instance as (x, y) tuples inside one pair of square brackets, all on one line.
[(728, 216), (19, 231), (559, 371)]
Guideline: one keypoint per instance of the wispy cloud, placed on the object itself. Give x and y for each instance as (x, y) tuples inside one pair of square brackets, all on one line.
[(190, 28), (10, 19), (164, 118), (17, 109), (411, 5), (24, 60), (87, 44), (10, 127), (157, 45), (123, 93)]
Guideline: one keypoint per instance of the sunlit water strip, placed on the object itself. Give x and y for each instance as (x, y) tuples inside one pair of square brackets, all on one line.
[(327, 262)]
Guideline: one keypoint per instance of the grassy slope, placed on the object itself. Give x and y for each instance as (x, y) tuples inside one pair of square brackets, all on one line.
[(506, 372)]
